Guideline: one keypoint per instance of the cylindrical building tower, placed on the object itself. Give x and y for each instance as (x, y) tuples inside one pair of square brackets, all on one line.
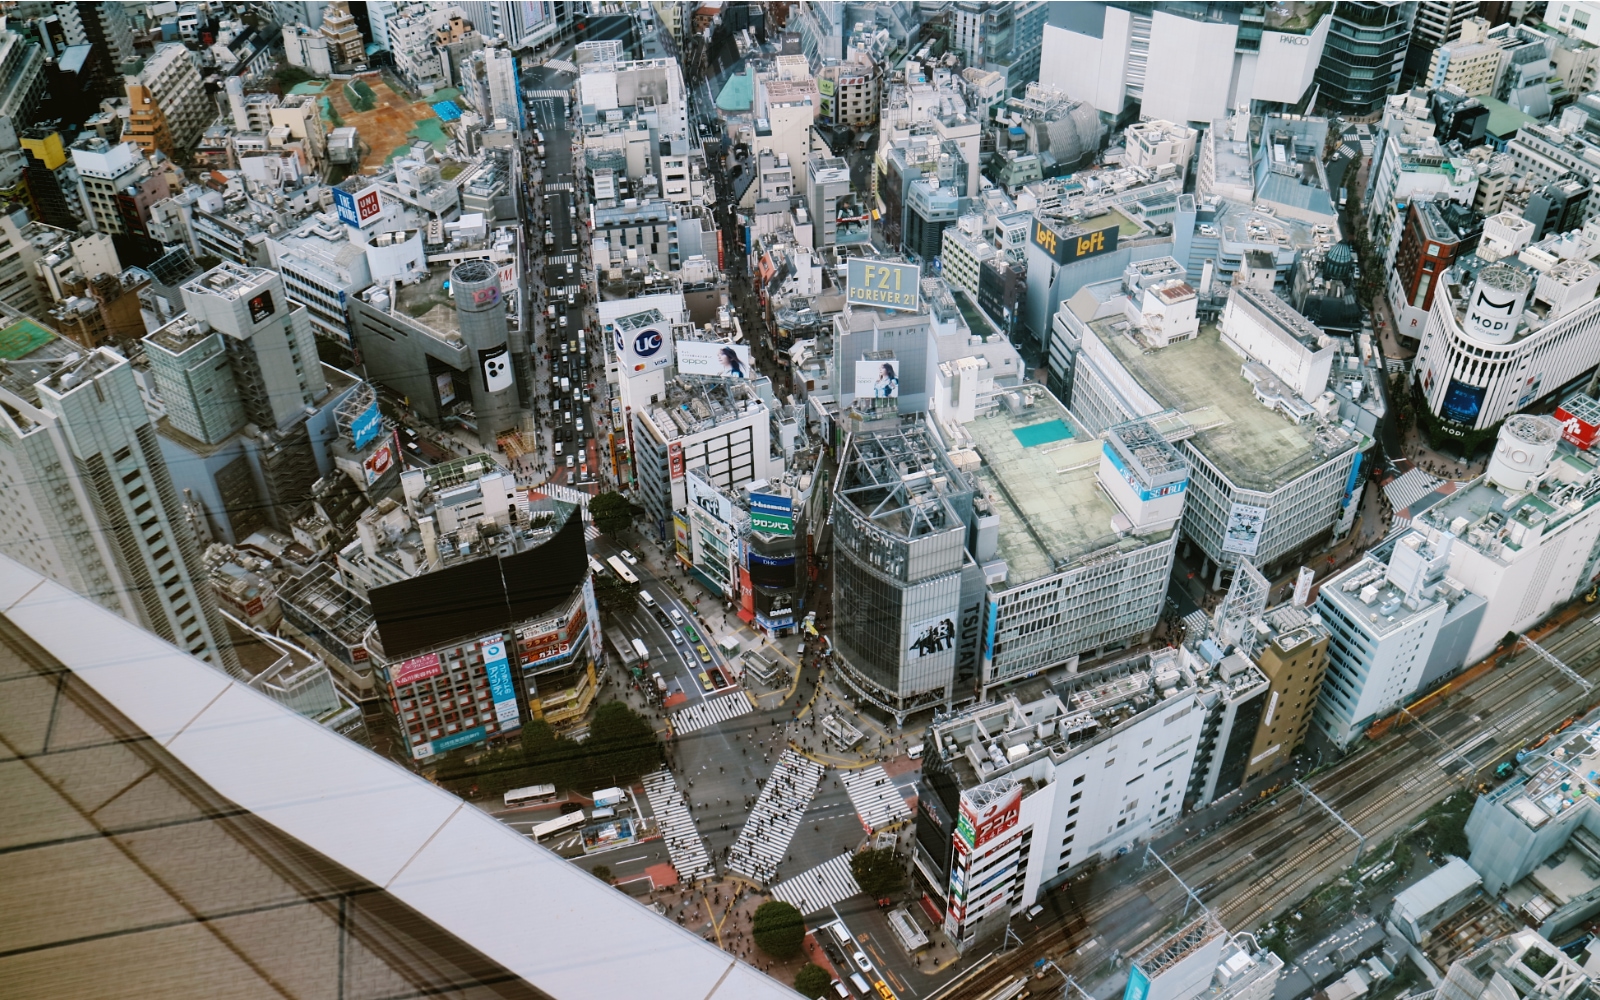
[(482, 316)]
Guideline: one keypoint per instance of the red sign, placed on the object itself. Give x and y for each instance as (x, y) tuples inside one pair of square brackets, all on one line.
[(675, 459), (1578, 432), (419, 668), (378, 462), (367, 206), (982, 824)]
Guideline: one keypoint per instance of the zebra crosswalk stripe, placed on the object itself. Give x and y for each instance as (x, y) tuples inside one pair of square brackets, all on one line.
[(819, 888), (764, 840), (709, 713), (684, 843), (877, 799)]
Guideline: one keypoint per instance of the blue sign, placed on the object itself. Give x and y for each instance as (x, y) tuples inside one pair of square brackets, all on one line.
[(504, 693), (1350, 483), (345, 203), (1138, 985), (1462, 402), (766, 503), (647, 343), (366, 427), (464, 738)]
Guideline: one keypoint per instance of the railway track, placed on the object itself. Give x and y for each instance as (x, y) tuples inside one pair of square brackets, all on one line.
[(1267, 865)]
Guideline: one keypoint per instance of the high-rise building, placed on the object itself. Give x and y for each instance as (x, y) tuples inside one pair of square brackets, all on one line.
[(88, 498), (175, 88), (1365, 51), (107, 29), (1558, 206), (1005, 37), (147, 126), (116, 185), (22, 76), (1437, 22)]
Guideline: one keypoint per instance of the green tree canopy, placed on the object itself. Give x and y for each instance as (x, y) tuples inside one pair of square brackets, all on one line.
[(601, 872), (880, 873), (621, 746), (812, 980), (778, 929), (612, 513), (614, 596)]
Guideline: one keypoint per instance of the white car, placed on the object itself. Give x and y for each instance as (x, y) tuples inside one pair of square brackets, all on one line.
[(862, 962), (629, 558)]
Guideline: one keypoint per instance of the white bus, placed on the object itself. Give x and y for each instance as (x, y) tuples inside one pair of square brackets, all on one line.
[(571, 821), (621, 569), (642, 652), (531, 795)]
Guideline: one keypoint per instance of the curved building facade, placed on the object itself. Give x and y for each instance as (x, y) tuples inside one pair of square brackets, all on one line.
[(1474, 373)]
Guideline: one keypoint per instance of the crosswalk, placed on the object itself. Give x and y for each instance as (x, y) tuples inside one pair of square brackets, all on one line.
[(877, 800), (784, 799), (591, 533), (684, 843), (821, 887), (711, 712)]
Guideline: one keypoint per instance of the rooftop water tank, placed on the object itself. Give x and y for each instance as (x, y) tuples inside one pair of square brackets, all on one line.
[(1523, 453)]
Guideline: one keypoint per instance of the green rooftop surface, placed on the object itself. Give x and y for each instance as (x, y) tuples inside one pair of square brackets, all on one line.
[(1057, 511), (22, 338), (447, 94), (309, 87), (1255, 447), (360, 96), (738, 93), (1504, 120)]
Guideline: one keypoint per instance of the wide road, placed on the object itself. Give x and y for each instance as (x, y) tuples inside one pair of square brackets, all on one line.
[(1270, 858)]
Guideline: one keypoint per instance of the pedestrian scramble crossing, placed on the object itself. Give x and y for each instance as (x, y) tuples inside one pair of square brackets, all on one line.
[(684, 844), (710, 712), (877, 799), (821, 887), (764, 841)]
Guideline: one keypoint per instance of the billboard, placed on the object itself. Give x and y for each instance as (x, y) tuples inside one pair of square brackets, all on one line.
[(774, 573), (504, 693), (932, 636), (496, 366), (261, 307), (1138, 987), (418, 668), (357, 209), (710, 499), (1462, 402), (1302, 586), (675, 460), (980, 824), (380, 461), (366, 427), (878, 379), (644, 349), (771, 514), (1576, 429), (445, 385), (1245, 524), (883, 284), (720, 360), (1064, 248)]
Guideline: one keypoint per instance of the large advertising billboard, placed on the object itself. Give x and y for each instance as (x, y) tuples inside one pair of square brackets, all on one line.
[(498, 668), (381, 460), (1128, 476), (1462, 402), (1578, 430), (357, 208), (980, 824), (496, 365), (1064, 248), (418, 668), (366, 427), (930, 637), (1245, 524), (771, 514), (719, 360), (644, 349), (883, 284), (878, 379)]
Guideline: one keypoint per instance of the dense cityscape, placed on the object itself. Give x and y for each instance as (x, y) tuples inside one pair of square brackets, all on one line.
[(868, 499)]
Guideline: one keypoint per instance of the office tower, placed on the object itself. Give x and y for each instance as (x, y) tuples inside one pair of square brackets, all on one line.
[(1437, 22), (175, 87), (88, 498), (115, 184), (1364, 53)]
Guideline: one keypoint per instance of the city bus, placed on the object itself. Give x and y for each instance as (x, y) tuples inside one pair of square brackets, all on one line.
[(642, 652), (571, 821), (621, 569), (532, 795)]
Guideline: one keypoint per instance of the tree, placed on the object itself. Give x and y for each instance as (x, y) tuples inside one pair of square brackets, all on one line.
[(621, 746), (601, 872), (288, 76), (612, 513), (879, 873), (812, 980), (778, 929), (613, 595)]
